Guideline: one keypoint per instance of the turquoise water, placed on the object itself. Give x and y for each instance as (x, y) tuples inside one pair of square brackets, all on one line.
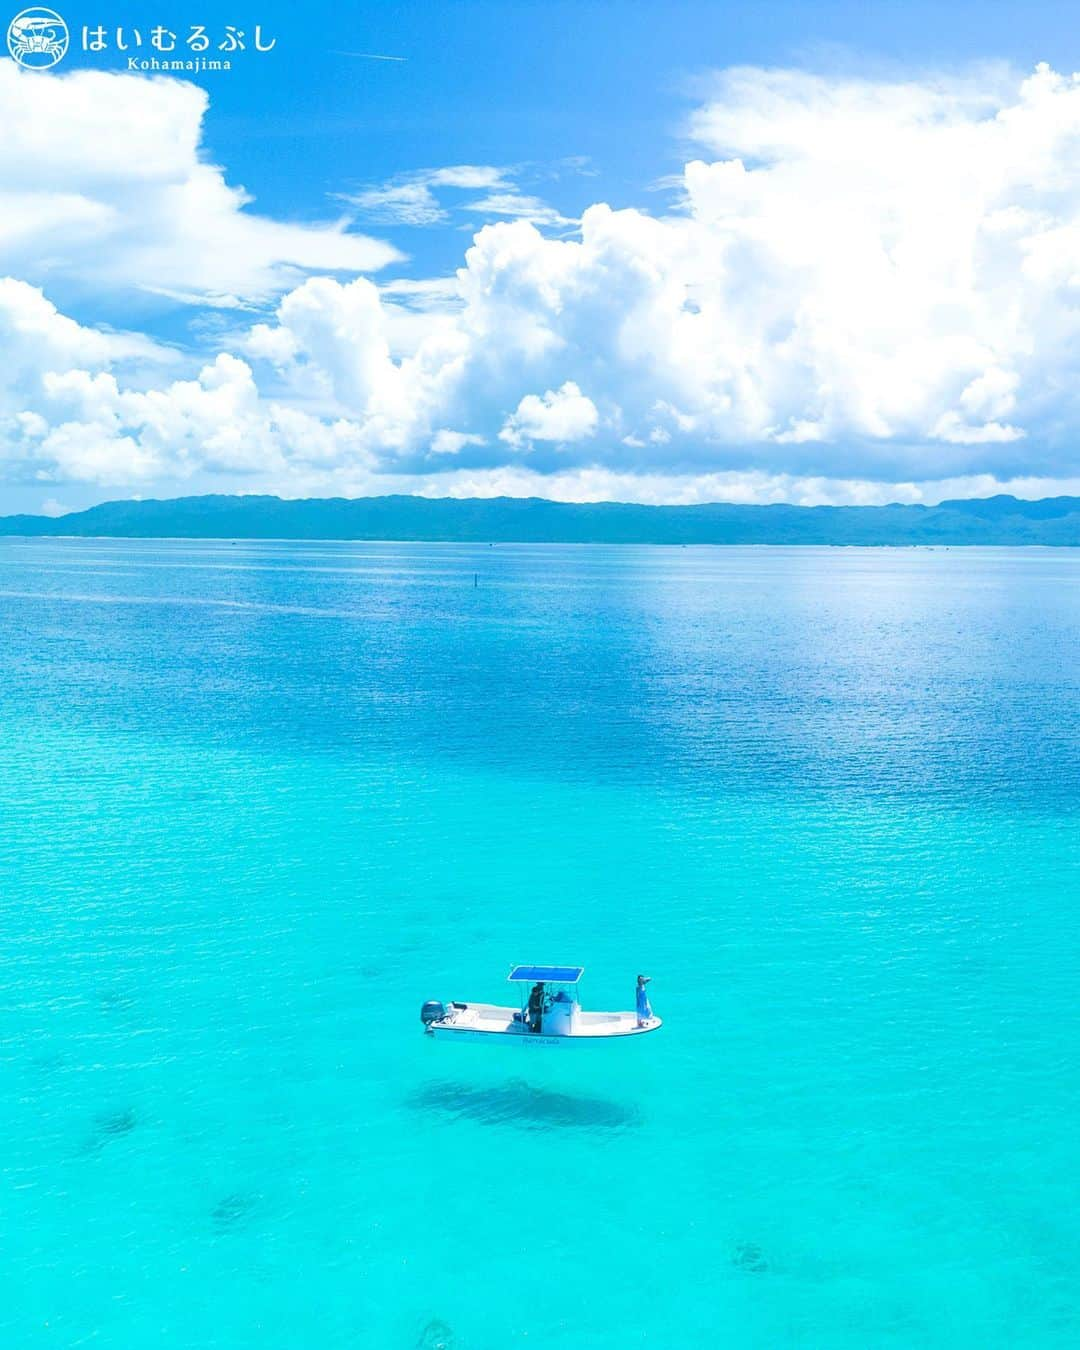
[(257, 802)]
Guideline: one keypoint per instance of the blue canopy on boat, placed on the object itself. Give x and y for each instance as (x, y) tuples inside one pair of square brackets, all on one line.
[(548, 974)]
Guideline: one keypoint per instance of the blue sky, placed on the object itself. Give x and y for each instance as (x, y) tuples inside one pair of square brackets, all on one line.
[(623, 326), (539, 83)]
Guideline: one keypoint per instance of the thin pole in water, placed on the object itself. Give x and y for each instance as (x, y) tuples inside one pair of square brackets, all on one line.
[(475, 580)]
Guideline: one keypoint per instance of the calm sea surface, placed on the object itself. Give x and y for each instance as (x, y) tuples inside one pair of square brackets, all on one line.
[(259, 801)]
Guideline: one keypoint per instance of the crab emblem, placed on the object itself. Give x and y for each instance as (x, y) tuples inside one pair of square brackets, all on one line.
[(37, 38)]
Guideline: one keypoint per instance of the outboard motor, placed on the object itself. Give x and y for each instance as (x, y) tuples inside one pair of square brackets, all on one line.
[(432, 1011)]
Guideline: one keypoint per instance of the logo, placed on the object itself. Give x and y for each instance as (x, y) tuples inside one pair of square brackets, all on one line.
[(37, 38)]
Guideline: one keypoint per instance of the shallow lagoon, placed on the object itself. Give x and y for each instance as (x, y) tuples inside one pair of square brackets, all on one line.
[(258, 801)]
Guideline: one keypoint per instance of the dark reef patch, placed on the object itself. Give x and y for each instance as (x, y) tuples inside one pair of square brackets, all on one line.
[(523, 1105), (233, 1210), (116, 1123), (437, 1335), (109, 1125), (115, 1000), (748, 1256)]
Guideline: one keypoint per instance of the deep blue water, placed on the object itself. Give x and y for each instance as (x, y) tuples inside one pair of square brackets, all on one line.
[(258, 801)]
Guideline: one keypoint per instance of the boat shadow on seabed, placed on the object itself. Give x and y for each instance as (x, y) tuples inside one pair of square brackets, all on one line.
[(523, 1105)]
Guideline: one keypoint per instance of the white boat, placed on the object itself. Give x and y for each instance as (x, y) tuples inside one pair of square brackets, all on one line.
[(548, 1013)]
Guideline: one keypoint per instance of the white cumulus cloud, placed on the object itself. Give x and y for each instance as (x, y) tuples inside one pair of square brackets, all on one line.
[(865, 288), (564, 415), (105, 180)]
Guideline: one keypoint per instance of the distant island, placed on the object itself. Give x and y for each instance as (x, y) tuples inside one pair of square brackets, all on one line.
[(990, 520)]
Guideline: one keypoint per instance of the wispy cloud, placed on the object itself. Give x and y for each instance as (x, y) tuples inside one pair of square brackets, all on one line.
[(517, 206), (408, 203), (371, 56), (421, 198)]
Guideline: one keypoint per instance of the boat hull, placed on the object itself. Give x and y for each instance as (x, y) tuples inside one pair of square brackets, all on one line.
[(486, 1022)]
